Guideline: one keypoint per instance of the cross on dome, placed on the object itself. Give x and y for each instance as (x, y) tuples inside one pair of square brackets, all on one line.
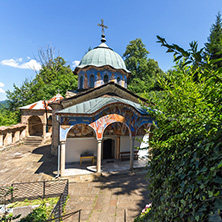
[(102, 25)]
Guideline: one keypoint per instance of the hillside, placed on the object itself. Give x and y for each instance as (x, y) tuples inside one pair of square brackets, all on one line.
[(3, 104)]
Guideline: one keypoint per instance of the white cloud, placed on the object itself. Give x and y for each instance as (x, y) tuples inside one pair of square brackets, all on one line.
[(75, 63), (2, 90), (32, 64), (2, 85)]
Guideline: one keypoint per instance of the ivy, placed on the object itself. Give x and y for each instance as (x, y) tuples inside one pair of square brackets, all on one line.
[(186, 156)]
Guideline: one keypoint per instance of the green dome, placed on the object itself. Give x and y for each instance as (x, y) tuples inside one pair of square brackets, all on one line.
[(102, 56)]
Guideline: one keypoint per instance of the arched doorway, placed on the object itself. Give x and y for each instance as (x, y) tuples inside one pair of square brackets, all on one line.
[(35, 126), (80, 140), (108, 149)]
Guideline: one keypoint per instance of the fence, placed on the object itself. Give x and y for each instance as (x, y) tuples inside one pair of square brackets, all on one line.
[(59, 207), (40, 189), (33, 190)]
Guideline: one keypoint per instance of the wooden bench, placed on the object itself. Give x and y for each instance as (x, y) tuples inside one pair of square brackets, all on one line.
[(86, 157), (126, 155)]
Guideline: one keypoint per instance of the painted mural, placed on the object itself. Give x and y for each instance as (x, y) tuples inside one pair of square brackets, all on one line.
[(100, 124), (80, 130), (116, 128), (144, 129), (112, 113)]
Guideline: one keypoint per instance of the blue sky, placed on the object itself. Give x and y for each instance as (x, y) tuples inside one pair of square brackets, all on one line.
[(71, 27)]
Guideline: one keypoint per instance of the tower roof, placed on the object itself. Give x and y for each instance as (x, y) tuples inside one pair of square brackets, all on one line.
[(101, 56)]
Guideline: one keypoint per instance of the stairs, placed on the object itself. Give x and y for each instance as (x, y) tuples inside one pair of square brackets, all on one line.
[(32, 141)]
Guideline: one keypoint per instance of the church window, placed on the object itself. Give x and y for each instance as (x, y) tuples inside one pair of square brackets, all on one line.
[(92, 81), (81, 82), (105, 79), (118, 80)]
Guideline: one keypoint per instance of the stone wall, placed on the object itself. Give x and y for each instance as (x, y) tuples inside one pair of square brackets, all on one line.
[(11, 135)]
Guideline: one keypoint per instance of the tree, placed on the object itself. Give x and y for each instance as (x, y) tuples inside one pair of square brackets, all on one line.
[(54, 76), (185, 160), (143, 70), (214, 44)]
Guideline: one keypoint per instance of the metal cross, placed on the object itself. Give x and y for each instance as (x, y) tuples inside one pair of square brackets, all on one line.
[(103, 26)]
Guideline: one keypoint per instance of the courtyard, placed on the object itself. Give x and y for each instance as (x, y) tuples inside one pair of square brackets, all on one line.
[(103, 198)]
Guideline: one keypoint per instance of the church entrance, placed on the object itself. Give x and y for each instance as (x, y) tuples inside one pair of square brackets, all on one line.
[(35, 126), (108, 149)]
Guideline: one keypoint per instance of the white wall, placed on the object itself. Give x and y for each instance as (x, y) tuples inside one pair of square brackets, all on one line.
[(124, 143), (76, 146), (140, 142)]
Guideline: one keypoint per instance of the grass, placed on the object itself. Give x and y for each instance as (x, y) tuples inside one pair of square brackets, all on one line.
[(49, 201)]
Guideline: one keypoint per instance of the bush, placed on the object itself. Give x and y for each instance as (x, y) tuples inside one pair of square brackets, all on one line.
[(185, 170)]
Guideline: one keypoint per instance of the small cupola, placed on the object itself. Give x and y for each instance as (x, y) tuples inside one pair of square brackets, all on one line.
[(100, 66)]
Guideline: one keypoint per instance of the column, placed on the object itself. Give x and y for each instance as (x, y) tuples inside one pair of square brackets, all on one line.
[(63, 157), (1, 140), (99, 147), (44, 130), (132, 152), (118, 146)]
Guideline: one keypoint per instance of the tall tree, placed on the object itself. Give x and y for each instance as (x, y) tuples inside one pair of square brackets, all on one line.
[(214, 44), (185, 160), (144, 70)]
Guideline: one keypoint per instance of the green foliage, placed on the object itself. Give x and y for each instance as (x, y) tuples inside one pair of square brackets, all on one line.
[(191, 56), (54, 76), (8, 117), (39, 214), (214, 44), (5, 197), (185, 170), (144, 71)]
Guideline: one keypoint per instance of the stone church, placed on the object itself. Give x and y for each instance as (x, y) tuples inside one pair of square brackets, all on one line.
[(102, 119)]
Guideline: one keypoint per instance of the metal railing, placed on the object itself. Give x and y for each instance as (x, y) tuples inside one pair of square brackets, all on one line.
[(34, 190), (40, 189), (59, 207)]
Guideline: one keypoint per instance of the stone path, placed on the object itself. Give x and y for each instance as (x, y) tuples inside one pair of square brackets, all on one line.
[(107, 198), (26, 163)]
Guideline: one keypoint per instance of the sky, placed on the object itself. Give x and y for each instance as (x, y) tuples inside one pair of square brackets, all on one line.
[(70, 27)]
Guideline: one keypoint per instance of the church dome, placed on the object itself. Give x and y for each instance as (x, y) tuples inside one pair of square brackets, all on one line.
[(102, 55)]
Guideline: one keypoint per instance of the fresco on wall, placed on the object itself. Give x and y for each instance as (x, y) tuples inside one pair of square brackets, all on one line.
[(80, 130), (100, 124), (85, 81), (113, 113), (116, 128), (144, 129)]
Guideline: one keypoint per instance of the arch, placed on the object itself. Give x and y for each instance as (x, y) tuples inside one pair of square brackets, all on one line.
[(143, 128), (100, 124), (81, 82), (91, 81), (106, 79), (116, 128), (78, 131), (35, 126)]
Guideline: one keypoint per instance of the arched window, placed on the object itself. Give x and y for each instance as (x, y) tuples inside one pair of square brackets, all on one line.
[(81, 82), (118, 80), (105, 79), (92, 81)]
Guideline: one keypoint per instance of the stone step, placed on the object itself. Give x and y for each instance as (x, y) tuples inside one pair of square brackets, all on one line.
[(33, 141)]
